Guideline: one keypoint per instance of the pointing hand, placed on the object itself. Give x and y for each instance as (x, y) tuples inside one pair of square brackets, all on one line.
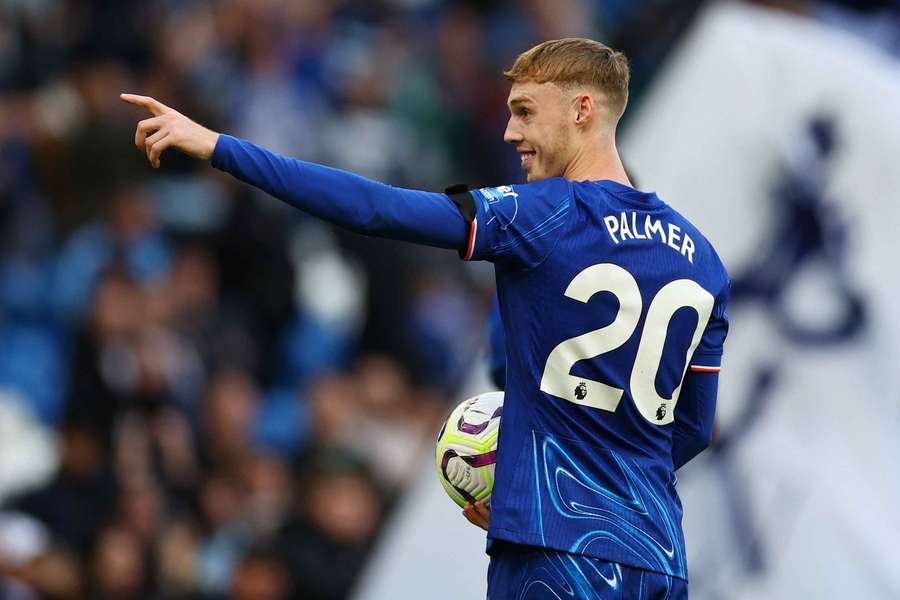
[(168, 128)]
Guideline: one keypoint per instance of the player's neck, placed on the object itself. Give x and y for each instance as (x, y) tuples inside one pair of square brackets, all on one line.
[(597, 162)]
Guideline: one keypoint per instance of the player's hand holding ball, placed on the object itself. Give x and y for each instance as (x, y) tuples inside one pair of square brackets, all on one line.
[(478, 514), (168, 128), (466, 453)]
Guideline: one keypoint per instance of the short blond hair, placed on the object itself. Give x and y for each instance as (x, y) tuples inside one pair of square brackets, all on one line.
[(576, 61)]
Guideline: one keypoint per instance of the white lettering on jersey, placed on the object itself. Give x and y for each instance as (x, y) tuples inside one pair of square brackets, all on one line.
[(634, 227), (625, 231), (612, 226), (674, 236), (652, 226), (653, 229), (687, 248)]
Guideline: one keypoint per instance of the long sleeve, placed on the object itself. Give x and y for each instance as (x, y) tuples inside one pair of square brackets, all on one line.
[(694, 416), (496, 346), (343, 198)]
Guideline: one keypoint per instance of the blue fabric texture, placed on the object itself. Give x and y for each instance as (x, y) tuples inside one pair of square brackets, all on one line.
[(343, 198), (532, 573)]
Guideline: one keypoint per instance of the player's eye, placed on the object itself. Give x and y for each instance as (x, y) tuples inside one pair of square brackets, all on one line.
[(524, 112)]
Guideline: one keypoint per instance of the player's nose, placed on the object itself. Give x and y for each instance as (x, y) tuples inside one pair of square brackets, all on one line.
[(511, 136)]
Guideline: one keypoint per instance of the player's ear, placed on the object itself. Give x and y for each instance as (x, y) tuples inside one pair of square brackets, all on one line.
[(584, 108)]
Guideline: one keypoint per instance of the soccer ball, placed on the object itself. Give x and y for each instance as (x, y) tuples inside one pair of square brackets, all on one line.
[(467, 449)]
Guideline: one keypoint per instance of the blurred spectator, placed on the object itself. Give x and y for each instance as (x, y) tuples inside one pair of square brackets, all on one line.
[(119, 570), (51, 573), (261, 575), (81, 497), (376, 414), (30, 454), (130, 237), (176, 551), (386, 429), (338, 511), (229, 413), (334, 408), (267, 481)]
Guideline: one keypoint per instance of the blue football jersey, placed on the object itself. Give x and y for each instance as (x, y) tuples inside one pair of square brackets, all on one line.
[(608, 297)]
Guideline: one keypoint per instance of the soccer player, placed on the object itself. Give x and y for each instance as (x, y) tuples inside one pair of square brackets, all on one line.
[(613, 310)]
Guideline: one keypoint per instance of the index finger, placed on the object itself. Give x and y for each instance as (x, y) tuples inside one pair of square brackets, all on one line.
[(156, 107)]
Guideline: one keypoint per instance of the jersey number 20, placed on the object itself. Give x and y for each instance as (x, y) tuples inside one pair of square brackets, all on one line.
[(607, 277)]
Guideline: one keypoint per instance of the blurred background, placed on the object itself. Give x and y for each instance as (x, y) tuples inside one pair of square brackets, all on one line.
[(205, 394)]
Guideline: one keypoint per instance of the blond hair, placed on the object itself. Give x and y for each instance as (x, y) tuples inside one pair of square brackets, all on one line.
[(576, 62)]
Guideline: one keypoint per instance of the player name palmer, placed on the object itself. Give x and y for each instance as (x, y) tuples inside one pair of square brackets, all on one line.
[(629, 225)]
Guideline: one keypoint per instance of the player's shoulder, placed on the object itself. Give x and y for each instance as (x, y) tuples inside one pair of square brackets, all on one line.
[(549, 189), (519, 224), (715, 259), (711, 262), (524, 204)]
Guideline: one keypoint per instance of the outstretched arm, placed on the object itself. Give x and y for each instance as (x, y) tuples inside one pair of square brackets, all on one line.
[(354, 202)]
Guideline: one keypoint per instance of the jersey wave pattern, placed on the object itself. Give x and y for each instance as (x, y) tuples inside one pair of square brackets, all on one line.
[(607, 296)]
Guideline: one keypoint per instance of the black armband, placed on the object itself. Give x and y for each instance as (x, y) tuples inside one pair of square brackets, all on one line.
[(460, 196), (465, 203)]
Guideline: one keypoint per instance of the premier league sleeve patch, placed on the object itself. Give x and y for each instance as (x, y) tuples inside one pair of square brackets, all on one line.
[(501, 204)]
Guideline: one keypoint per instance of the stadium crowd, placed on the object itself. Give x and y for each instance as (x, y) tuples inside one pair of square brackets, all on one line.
[(203, 392)]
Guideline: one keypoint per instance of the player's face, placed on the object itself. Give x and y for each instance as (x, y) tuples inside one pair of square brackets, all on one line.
[(539, 128)]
